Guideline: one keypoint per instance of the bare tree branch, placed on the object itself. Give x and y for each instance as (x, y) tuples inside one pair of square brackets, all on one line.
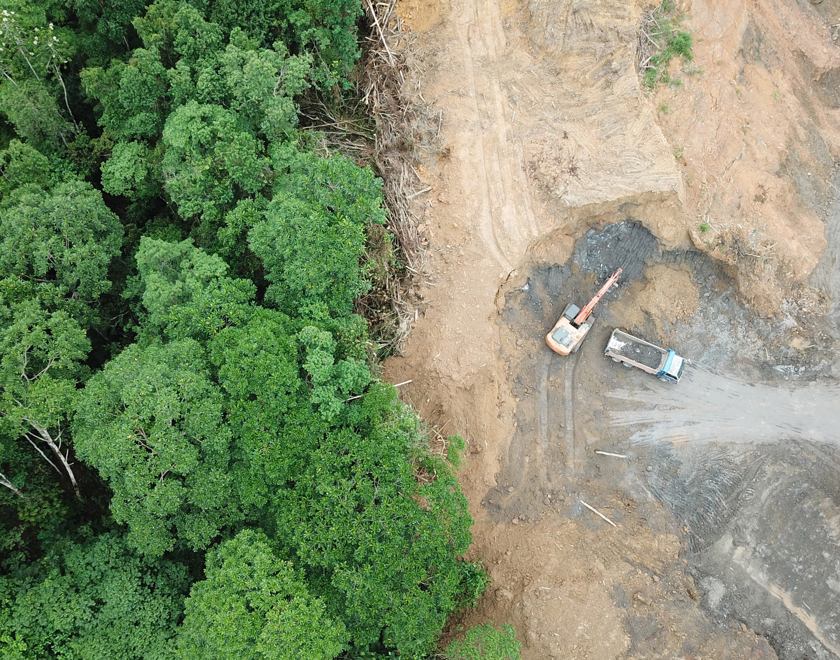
[(8, 484), (38, 449), (145, 437), (56, 449)]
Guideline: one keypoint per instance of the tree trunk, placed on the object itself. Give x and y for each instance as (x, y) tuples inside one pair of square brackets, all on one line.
[(56, 449)]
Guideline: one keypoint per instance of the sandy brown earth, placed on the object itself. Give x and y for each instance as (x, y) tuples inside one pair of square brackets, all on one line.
[(723, 187)]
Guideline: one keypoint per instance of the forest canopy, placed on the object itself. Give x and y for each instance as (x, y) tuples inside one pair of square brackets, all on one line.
[(197, 456)]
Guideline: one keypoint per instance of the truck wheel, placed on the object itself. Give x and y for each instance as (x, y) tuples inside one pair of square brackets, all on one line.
[(626, 364), (615, 359), (664, 379)]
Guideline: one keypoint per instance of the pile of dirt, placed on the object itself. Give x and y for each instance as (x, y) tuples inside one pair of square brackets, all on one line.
[(667, 295), (638, 352)]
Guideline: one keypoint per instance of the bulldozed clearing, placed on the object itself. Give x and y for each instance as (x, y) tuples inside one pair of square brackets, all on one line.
[(718, 198)]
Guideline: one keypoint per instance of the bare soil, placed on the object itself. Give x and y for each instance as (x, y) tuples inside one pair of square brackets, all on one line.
[(554, 167)]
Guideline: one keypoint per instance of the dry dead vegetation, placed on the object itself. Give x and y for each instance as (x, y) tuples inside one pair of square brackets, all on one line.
[(647, 46), (393, 130), (403, 131)]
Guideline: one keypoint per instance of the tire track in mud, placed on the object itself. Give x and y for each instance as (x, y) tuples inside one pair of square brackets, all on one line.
[(569, 408), (756, 508), (507, 221), (543, 413), (750, 562), (776, 511), (707, 406)]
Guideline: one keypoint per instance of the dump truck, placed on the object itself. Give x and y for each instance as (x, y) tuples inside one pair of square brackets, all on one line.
[(631, 351), (569, 331)]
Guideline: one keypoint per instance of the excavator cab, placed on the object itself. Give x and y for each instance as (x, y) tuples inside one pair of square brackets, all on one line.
[(565, 337), (571, 311)]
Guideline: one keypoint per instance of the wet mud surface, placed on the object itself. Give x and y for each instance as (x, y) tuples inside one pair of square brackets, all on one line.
[(743, 453)]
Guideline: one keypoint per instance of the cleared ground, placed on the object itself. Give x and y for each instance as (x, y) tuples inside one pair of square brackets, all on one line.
[(747, 466), (554, 168)]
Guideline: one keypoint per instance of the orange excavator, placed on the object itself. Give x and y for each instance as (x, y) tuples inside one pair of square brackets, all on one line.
[(569, 331)]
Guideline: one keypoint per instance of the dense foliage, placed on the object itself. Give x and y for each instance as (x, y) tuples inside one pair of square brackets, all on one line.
[(196, 457)]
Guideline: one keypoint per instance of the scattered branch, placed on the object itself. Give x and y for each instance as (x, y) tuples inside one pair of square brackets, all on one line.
[(609, 453), (598, 513), (659, 40), (375, 17), (407, 128)]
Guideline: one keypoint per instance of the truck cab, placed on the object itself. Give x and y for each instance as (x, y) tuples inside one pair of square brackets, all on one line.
[(672, 370)]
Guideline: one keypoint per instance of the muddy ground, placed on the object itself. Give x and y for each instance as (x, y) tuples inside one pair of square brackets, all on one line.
[(718, 199), (744, 454)]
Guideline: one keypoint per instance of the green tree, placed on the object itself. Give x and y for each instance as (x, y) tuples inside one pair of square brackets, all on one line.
[(157, 28), (484, 642), (151, 422), (312, 237), (339, 476), (91, 600), (15, 469), (385, 548), (186, 292), (209, 162), (20, 165), (223, 413), (32, 52), (326, 28), (132, 95), (31, 499), (332, 381), (56, 245), (232, 237), (59, 241), (335, 185), (32, 47), (260, 85), (32, 109), (40, 362), (171, 274), (133, 170), (254, 606), (275, 429), (195, 38), (105, 26)]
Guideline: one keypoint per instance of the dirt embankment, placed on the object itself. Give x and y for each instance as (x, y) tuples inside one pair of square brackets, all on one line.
[(754, 129), (555, 165)]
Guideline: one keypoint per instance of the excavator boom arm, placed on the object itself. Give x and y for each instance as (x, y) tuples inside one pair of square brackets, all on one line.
[(586, 311)]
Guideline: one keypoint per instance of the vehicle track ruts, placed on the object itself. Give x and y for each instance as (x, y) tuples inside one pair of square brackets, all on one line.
[(496, 165), (544, 416), (572, 453)]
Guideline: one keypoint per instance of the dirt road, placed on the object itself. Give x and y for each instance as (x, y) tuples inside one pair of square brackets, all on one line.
[(713, 407), (554, 167)]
